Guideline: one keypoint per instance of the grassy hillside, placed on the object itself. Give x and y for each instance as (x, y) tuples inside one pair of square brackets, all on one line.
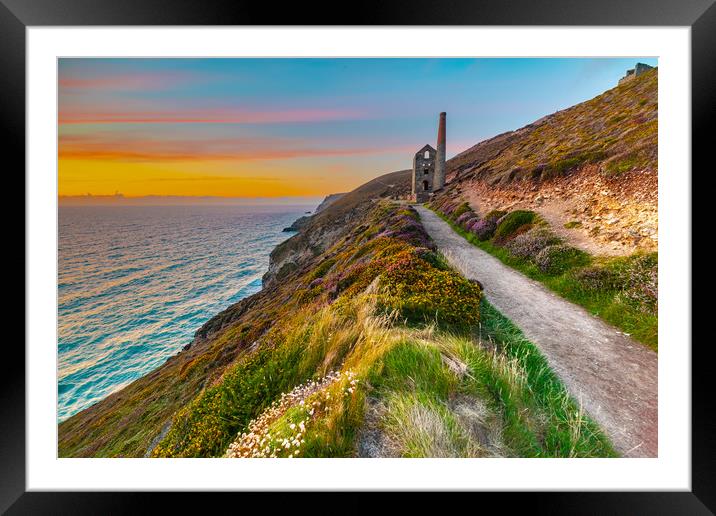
[(591, 171), (126, 422), (364, 342), (326, 226), (616, 130), (374, 347), (621, 290), (392, 353)]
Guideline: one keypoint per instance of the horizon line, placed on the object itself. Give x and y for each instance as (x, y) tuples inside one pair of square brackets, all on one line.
[(122, 196)]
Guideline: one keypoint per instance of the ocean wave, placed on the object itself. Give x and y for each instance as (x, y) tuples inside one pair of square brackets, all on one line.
[(134, 284)]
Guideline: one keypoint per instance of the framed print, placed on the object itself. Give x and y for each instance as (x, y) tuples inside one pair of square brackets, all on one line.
[(451, 254)]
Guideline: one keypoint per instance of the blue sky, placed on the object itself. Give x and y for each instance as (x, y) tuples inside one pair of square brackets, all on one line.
[(252, 126)]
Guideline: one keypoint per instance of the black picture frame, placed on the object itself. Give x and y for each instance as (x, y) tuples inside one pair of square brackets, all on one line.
[(17, 15)]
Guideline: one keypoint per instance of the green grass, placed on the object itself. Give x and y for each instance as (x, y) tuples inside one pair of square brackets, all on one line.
[(513, 221), (427, 409), (622, 165), (436, 388), (567, 432), (432, 386), (322, 268), (314, 344), (463, 208), (526, 408), (520, 403), (641, 325)]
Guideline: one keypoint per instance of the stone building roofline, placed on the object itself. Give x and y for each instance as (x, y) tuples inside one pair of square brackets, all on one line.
[(426, 147)]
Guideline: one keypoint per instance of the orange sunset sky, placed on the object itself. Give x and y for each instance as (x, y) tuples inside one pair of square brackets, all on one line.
[(290, 127)]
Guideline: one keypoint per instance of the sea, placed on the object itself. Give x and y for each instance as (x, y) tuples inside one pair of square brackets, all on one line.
[(136, 282)]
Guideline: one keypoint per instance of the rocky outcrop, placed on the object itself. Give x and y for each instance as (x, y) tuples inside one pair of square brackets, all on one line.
[(601, 214), (330, 199), (302, 221), (297, 224), (333, 218), (590, 170)]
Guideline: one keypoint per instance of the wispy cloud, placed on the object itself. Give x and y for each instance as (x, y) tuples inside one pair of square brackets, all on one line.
[(132, 149), (119, 82), (335, 122), (204, 116)]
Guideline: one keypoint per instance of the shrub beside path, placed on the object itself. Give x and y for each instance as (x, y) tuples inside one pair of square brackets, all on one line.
[(611, 375)]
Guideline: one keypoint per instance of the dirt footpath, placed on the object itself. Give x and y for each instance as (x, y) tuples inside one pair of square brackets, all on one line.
[(610, 374)]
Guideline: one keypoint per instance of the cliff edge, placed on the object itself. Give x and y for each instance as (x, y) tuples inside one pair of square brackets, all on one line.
[(365, 341), (591, 170)]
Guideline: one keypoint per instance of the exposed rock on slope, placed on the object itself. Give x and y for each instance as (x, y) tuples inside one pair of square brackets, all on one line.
[(329, 223), (329, 200), (591, 167), (301, 221), (593, 164), (126, 422), (296, 224)]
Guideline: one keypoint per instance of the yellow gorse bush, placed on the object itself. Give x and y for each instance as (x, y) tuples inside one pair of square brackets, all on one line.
[(409, 282), (417, 290)]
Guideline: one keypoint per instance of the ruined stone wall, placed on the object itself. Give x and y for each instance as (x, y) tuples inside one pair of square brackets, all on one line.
[(639, 69), (423, 174)]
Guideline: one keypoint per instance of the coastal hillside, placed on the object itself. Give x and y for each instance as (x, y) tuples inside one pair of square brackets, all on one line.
[(366, 342), (571, 201), (328, 200), (126, 422), (592, 168), (381, 356), (326, 225), (370, 345), (301, 221)]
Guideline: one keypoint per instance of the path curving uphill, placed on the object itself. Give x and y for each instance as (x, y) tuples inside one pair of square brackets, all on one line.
[(610, 374)]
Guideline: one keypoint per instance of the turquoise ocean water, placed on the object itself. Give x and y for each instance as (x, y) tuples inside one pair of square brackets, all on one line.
[(135, 283)]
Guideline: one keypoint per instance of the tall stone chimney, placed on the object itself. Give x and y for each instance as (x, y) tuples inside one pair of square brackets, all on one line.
[(439, 181)]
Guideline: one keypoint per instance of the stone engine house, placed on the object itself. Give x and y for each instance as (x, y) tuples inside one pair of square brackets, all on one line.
[(423, 173), (429, 167)]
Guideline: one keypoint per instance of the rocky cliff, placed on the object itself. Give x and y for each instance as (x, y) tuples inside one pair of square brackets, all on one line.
[(590, 170), (329, 200), (331, 220), (124, 423), (364, 342), (301, 221)]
